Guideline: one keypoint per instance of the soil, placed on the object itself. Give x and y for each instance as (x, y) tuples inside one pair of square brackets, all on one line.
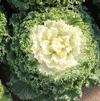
[(91, 94)]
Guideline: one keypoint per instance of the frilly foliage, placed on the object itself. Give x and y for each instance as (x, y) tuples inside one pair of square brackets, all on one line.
[(23, 5), (1, 91), (3, 35), (4, 94), (27, 82)]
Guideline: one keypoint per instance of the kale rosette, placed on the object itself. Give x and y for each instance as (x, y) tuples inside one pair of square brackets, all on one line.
[(52, 54)]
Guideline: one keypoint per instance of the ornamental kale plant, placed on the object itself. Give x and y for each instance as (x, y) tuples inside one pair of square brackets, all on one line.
[(1, 91), (50, 49), (52, 55), (4, 94), (3, 35)]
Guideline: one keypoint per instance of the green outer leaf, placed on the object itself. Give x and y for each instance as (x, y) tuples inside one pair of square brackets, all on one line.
[(4, 94), (24, 65), (3, 35), (28, 4), (1, 91)]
